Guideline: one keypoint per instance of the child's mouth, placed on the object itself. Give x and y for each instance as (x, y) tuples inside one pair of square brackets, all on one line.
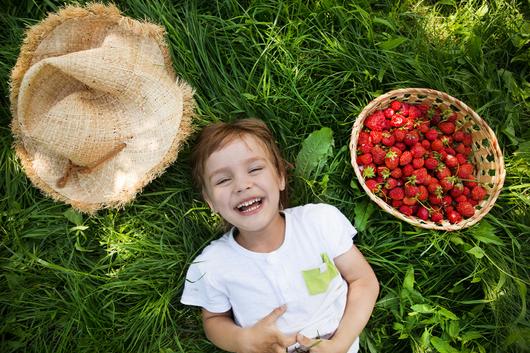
[(249, 205)]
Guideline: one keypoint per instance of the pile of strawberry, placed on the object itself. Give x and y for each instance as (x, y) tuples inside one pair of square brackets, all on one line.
[(418, 159)]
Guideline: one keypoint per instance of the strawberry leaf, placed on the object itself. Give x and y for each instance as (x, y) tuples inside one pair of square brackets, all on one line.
[(315, 151)]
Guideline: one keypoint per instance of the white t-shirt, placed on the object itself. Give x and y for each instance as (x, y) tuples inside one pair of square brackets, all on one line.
[(300, 273)]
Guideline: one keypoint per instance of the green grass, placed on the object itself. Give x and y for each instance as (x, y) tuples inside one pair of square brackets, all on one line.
[(112, 282)]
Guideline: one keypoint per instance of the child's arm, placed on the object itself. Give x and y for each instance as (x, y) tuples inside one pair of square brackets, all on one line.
[(263, 337), (363, 289)]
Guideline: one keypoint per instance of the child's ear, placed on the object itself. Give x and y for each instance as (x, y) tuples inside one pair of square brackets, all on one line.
[(208, 201), (282, 182)]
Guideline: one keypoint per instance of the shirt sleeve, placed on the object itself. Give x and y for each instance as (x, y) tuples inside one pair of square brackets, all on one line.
[(338, 230), (199, 291)]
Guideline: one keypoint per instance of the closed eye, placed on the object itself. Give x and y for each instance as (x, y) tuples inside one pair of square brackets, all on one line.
[(222, 181), (255, 169)]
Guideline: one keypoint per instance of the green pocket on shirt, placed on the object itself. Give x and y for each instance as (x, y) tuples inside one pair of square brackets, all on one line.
[(317, 280)]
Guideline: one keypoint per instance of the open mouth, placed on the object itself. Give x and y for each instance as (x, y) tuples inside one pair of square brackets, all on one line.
[(249, 205)]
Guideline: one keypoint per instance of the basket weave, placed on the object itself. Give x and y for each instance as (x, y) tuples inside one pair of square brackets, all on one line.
[(487, 156)]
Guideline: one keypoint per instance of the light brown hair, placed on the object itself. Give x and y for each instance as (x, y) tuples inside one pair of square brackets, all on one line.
[(215, 136)]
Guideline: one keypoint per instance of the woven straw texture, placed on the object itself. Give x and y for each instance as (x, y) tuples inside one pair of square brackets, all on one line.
[(97, 110), (487, 156)]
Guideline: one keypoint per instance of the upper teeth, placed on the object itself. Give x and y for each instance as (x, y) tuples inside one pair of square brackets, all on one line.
[(249, 202)]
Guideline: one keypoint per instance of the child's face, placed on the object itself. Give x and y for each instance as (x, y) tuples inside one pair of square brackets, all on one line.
[(243, 185)]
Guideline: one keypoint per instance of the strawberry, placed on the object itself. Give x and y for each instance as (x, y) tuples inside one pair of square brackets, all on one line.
[(447, 183), (401, 146), (397, 120), (426, 144), (466, 191), (431, 163), (396, 173), (437, 145), (411, 190), (458, 136), (372, 185), (419, 175), (457, 190), (406, 158), (399, 134), (378, 155), (418, 163), (478, 193), (435, 188), (435, 199), (461, 198), (364, 159), (366, 148), (460, 149), (451, 161), (423, 194), (442, 171), (414, 112), (375, 136), (376, 121), (406, 210), (454, 217), (461, 158), (465, 170), (447, 200), (422, 213), (418, 151), (383, 171), (396, 193), (407, 170), (405, 107), (411, 138), (450, 115), (466, 209), (410, 201), (388, 139), (391, 160), (437, 216), (470, 182), (389, 112), (391, 183), (468, 139), (396, 105), (431, 135)]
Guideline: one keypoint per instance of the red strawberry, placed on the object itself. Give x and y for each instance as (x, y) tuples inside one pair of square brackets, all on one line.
[(406, 158), (391, 183), (388, 139), (399, 134), (426, 144), (447, 200), (435, 199), (422, 213), (364, 159), (378, 155), (391, 160), (373, 185), (442, 171), (396, 203), (376, 121), (431, 163), (366, 148), (458, 136), (470, 182), (466, 191), (389, 112), (437, 216), (418, 163), (431, 135), (407, 170), (396, 173), (461, 158), (411, 138), (383, 171), (465, 171), (420, 175), (396, 105), (411, 190), (423, 194), (418, 151), (401, 146), (406, 210), (435, 188), (461, 149), (410, 201), (447, 127), (437, 145), (376, 136), (453, 216), (396, 193), (447, 183), (466, 209), (397, 120), (457, 190), (461, 198), (478, 193), (405, 108), (468, 139), (414, 112), (451, 161)]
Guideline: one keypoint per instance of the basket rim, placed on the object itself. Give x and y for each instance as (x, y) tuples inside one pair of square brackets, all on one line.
[(486, 204)]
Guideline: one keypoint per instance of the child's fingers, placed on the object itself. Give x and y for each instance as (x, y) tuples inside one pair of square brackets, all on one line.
[(275, 314), (304, 341)]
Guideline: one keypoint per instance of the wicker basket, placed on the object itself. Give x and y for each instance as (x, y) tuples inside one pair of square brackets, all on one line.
[(487, 156)]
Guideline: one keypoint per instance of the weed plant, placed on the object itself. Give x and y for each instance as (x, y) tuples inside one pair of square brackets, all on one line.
[(112, 282)]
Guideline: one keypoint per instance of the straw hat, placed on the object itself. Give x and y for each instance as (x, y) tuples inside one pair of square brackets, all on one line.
[(97, 111)]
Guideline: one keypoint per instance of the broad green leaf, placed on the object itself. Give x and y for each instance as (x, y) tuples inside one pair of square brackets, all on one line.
[(454, 328), (446, 313), (442, 346), (477, 252), (470, 336), (73, 216), (485, 233), (425, 338), (422, 308), (316, 149), (363, 211), (392, 43), (408, 282), (384, 23)]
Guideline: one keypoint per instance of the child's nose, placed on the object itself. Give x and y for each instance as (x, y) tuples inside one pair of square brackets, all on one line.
[(244, 184)]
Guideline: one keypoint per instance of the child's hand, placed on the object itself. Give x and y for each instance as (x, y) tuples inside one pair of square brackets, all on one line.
[(317, 345), (264, 336)]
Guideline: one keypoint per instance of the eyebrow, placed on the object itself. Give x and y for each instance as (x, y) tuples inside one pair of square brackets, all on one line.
[(222, 169)]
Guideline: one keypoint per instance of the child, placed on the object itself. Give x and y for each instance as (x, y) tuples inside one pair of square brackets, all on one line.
[(281, 280)]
